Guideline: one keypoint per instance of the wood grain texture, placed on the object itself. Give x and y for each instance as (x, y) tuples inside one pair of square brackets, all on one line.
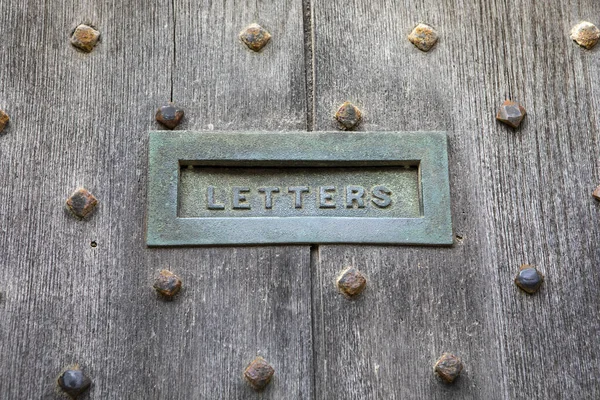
[(520, 196), (82, 120), (230, 86)]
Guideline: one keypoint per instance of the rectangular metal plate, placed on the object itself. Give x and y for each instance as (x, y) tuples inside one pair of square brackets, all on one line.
[(226, 188)]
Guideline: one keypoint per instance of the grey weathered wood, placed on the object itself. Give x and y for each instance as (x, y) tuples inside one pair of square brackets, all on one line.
[(82, 120), (522, 196), (518, 197)]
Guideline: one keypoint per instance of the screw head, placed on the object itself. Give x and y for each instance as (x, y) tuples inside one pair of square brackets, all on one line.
[(529, 279), (585, 34), (424, 37), (167, 284), (74, 382), (85, 38), (351, 282), (596, 193), (4, 119), (81, 203), (259, 373), (448, 367), (348, 116), (255, 37), (169, 115), (511, 113)]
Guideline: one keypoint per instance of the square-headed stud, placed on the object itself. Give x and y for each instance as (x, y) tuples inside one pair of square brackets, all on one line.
[(448, 367), (167, 284), (81, 203), (259, 373), (585, 34), (529, 279), (169, 115), (4, 119), (596, 193), (511, 114), (348, 116), (424, 37), (85, 38), (73, 381), (351, 282), (255, 37)]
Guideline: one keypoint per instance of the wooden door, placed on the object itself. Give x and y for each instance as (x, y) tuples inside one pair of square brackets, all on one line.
[(518, 196)]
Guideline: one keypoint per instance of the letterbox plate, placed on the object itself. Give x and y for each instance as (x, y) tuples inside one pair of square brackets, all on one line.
[(228, 188)]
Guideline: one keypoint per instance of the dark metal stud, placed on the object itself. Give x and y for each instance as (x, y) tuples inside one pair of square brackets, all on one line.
[(81, 203), (348, 115), (167, 284), (511, 113), (351, 282), (424, 37), (255, 37), (259, 373), (85, 38), (4, 119), (585, 34), (448, 367), (529, 279), (74, 382), (169, 115), (596, 193)]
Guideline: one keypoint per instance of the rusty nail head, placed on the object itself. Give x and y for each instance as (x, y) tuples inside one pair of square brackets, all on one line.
[(596, 193), (351, 282), (448, 367), (167, 284), (4, 118), (85, 38), (424, 37), (511, 113), (259, 373), (585, 34), (81, 203), (529, 279), (255, 37), (73, 381), (348, 116), (169, 115)]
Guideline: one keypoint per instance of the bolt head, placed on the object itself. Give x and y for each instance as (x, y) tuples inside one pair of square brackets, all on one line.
[(255, 37), (259, 373), (585, 34), (511, 113), (424, 37), (4, 119), (81, 203), (348, 116), (448, 367), (529, 279), (351, 282), (74, 382), (169, 115), (596, 193), (85, 38), (167, 284)]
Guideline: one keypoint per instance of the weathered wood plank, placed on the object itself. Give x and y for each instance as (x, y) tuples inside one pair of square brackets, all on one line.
[(247, 301), (77, 120), (518, 197), (82, 120), (227, 86)]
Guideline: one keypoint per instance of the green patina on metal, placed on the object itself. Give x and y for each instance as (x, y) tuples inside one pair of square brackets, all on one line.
[(226, 188), (271, 192)]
